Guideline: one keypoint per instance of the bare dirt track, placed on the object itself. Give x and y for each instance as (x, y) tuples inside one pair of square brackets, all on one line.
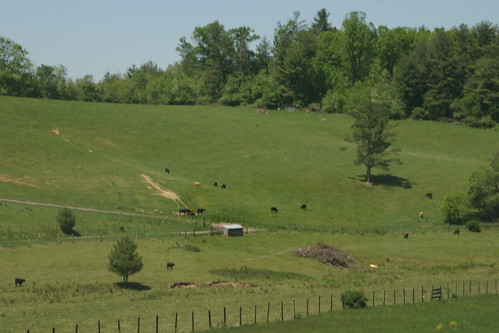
[(163, 192), (8, 179)]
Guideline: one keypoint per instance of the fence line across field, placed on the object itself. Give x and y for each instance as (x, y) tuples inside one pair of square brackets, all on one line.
[(50, 233), (191, 321)]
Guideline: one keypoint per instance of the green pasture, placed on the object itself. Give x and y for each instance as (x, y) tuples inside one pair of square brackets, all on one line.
[(69, 284), (93, 155), (98, 157), (472, 314)]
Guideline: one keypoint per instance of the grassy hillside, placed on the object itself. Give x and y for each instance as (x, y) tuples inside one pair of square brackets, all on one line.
[(94, 155)]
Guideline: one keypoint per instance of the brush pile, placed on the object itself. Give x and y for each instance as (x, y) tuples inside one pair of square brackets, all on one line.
[(327, 255)]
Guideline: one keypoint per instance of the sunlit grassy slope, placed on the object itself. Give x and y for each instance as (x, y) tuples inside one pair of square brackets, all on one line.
[(93, 155)]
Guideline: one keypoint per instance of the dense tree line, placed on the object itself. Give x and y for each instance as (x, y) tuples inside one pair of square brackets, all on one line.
[(440, 74)]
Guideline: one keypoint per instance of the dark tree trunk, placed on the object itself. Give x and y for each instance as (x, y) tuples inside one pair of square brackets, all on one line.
[(368, 175)]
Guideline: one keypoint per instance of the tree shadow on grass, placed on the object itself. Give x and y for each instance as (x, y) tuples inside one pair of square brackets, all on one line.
[(132, 286), (389, 181)]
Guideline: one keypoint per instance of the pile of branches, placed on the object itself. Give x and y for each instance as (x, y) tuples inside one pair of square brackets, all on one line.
[(327, 255)]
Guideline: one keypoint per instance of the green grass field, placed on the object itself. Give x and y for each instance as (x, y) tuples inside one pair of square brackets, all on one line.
[(475, 314), (68, 284), (278, 159), (94, 156)]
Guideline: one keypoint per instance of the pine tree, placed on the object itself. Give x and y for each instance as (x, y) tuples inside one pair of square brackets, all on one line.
[(124, 260)]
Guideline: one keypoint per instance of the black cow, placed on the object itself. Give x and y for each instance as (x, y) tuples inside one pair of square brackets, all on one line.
[(19, 281), (223, 186), (457, 232), (304, 206), (274, 209), (167, 170), (406, 235), (215, 184), (169, 265), (200, 210), (186, 211), (429, 195)]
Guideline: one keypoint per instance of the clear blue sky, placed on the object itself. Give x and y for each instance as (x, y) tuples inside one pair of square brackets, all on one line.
[(98, 36)]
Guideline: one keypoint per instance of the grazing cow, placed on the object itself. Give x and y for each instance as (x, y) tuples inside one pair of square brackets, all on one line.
[(19, 281), (169, 265), (457, 232), (186, 211), (304, 206), (429, 195), (274, 209), (406, 235), (197, 184), (223, 186), (215, 184), (167, 170), (421, 215), (200, 210)]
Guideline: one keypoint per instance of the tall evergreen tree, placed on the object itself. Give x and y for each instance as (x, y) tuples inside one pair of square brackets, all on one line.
[(124, 259), (373, 135)]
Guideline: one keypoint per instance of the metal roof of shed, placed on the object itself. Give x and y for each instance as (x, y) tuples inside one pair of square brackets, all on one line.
[(233, 226)]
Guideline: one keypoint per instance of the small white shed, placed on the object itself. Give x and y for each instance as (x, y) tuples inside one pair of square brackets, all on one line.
[(233, 230)]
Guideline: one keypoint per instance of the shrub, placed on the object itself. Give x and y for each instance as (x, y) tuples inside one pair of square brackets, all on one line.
[(354, 299), (473, 226), (67, 220)]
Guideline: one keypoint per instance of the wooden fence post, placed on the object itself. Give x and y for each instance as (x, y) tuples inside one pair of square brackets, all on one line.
[(282, 311), (373, 296), (138, 325), (255, 314), (268, 311), (98, 326), (294, 309), (157, 324), (76, 328), (319, 304), (448, 290), (209, 319), (176, 321), (413, 294), (394, 296), (331, 303), (422, 294), (240, 316), (192, 316), (225, 316), (470, 287), (384, 297), (119, 326), (463, 288), (404, 295)]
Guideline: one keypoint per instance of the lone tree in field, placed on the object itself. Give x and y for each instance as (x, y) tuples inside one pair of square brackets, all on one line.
[(67, 220), (484, 189), (373, 135), (124, 259)]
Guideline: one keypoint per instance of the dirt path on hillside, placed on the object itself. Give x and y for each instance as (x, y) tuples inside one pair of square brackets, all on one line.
[(7, 179), (163, 192), (78, 208)]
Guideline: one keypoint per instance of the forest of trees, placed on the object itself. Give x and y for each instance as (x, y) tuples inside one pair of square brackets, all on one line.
[(417, 73)]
